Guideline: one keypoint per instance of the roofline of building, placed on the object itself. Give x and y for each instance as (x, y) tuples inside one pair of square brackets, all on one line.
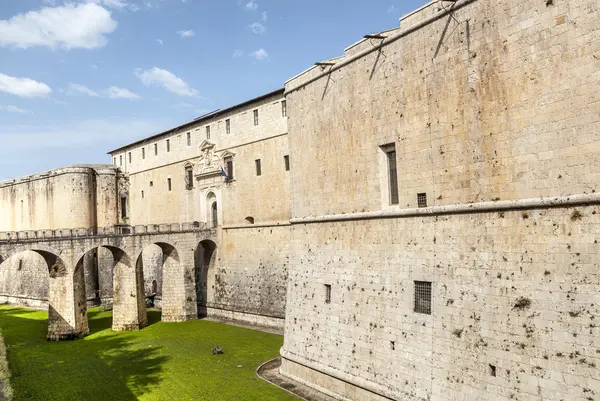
[(212, 115)]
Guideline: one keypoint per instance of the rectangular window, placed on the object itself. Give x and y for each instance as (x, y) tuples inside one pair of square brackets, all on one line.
[(283, 108), (155, 149), (423, 297), (286, 161), (120, 160), (422, 200), (208, 132), (142, 194), (123, 207), (168, 146), (229, 164), (228, 126), (258, 169), (129, 157), (256, 117), (390, 152), (143, 153), (327, 293), (169, 183), (189, 178), (151, 183), (115, 161), (189, 138)]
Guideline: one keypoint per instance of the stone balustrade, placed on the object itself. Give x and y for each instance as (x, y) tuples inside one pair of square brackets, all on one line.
[(117, 230)]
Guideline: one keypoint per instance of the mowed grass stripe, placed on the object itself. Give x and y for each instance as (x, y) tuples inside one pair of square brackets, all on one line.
[(163, 362)]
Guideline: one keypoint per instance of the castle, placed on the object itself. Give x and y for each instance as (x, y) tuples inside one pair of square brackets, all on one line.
[(419, 214)]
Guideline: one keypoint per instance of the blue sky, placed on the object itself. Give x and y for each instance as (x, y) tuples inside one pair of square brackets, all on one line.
[(82, 77)]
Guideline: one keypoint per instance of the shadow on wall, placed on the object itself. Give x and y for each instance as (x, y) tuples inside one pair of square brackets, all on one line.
[(44, 370)]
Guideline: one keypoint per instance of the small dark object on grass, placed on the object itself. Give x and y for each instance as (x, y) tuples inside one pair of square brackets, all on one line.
[(217, 350)]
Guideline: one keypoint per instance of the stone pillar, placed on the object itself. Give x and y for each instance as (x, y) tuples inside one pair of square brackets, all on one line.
[(67, 311), (179, 296), (105, 275), (90, 268), (129, 303)]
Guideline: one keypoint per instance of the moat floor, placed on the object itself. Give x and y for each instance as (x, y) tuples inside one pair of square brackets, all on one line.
[(164, 361)]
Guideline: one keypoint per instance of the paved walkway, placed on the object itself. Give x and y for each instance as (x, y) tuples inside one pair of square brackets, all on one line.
[(269, 371)]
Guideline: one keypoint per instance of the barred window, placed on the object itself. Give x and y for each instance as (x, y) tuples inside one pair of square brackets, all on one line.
[(229, 165), (189, 177), (189, 139), (422, 200), (228, 126), (327, 293), (208, 132), (390, 152), (283, 108), (258, 167), (423, 297), (256, 117)]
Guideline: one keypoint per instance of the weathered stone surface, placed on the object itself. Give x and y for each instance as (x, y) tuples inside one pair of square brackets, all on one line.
[(497, 101)]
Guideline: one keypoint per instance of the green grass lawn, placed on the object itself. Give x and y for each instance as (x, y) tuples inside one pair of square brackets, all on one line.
[(164, 361)]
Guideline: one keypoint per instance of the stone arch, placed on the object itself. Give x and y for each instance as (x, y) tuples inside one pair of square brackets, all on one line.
[(98, 271), (67, 320), (24, 278), (204, 261), (129, 308), (171, 283)]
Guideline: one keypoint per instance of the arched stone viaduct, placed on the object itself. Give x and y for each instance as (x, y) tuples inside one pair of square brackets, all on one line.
[(183, 248)]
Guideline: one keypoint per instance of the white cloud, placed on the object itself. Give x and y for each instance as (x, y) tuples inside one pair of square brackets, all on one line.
[(391, 9), (115, 92), (23, 87), (160, 42), (251, 5), (94, 66), (237, 53), (78, 90), (264, 16), (186, 34), (260, 54), (13, 109), (69, 26), (166, 79), (257, 28)]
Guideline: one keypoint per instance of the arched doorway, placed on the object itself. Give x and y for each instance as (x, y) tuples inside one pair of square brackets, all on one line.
[(212, 217), (215, 216), (204, 259)]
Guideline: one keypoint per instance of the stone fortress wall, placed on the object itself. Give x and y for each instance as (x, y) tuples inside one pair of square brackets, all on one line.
[(80, 196), (493, 109), (478, 280)]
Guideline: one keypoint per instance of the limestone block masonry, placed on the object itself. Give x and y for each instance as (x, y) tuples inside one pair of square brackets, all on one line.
[(493, 109)]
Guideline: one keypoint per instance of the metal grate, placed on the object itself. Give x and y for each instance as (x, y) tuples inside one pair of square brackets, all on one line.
[(327, 293), (422, 200), (423, 297)]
